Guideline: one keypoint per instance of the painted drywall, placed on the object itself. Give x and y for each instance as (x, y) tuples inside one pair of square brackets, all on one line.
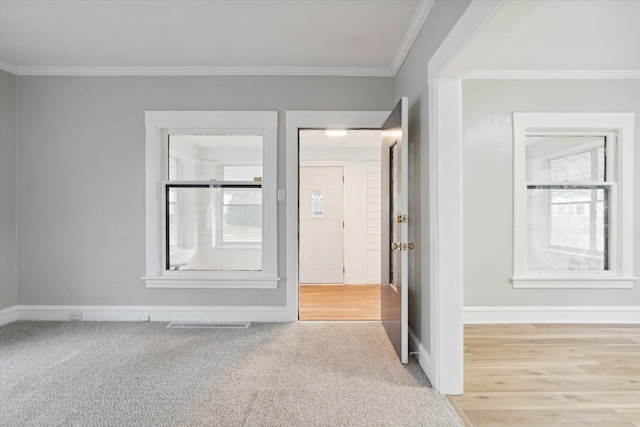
[(411, 81), (8, 253), (81, 234), (488, 191)]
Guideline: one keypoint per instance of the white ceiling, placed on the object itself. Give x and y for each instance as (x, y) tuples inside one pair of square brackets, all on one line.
[(297, 37), (572, 35), (348, 37)]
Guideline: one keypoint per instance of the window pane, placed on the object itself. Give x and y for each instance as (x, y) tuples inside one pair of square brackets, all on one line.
[(559, 158), (576, 168), (242, 173), (601, 165), (567, 229), (202, 157), (242, 223), (204, 221), (173, 224), (242, 215), (242, 196), (173, 169), (570, 226)]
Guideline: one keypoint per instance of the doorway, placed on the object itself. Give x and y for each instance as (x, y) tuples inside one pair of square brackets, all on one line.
[(340, 224)]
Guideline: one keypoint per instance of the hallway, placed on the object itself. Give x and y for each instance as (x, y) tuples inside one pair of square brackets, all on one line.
[(339, 302)]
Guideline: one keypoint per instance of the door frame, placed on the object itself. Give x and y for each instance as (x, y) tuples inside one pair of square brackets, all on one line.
[(296, 121), (468, 42)]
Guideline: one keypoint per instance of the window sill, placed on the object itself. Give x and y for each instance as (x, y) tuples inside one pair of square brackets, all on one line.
[(212, 283), (573, 282)]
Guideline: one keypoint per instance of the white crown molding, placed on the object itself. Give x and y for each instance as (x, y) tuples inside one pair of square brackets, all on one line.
[(201, 71), (552, 314), (552, 74), (126, 313), (419, 18), (9, 68)]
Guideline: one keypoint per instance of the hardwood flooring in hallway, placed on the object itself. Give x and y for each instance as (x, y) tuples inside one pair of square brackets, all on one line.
[(339, 302), (551, 375)]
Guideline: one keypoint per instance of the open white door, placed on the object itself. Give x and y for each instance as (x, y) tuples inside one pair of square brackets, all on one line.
[(395, 290)]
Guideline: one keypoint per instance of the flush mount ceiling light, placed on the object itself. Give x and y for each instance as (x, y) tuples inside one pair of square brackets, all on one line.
[(336, 132)]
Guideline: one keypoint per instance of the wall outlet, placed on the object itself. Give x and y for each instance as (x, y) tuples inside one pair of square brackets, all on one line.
[(75, 315), (145, 318)]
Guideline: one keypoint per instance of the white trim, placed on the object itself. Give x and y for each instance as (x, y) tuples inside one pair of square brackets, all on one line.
[(573, 282), (9, 68), (201, 71), (552, 74), (8, 315), (296, 120), (207, 283), (126, 313), (418, 20), (456, 56), (423, 356), (546, 314), (445, 238), (157, 123)]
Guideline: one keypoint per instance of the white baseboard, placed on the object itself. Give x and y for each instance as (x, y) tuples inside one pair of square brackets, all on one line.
[(8, 315), (423, 356), (552, 314), (111, 313)]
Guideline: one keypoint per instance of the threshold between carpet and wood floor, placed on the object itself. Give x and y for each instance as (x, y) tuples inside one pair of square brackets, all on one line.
[(144, 374)]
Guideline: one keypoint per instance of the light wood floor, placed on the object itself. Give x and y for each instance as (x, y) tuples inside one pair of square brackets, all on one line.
[(551, 375), (339, 302)]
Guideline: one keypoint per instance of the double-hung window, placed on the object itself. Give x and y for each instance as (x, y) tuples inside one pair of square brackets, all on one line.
[(211, 199), (573, 190)]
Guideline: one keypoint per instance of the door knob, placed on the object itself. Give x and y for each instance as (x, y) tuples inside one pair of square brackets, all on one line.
[(411, 246)]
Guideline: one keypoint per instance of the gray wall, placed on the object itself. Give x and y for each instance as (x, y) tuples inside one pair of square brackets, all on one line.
[(411, 81), (488, 189), (8, 281), (81, 234)]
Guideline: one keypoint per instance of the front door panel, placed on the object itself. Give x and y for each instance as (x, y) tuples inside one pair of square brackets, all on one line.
[(321, 224)]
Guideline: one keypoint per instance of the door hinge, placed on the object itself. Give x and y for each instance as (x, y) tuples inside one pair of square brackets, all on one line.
[(342, 224), (343, 270)]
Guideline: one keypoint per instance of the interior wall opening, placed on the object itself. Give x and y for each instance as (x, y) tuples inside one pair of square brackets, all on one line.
[(339, 197)]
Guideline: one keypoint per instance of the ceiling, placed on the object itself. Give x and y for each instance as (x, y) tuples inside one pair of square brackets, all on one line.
[(334, 37), (299, 37), (355, 138), (586, 35)]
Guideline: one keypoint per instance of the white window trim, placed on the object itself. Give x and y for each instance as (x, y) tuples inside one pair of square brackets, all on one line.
[(621, 245), (157, 122)]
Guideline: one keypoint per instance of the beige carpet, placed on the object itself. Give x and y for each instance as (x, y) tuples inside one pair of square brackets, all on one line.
[(143, 374)]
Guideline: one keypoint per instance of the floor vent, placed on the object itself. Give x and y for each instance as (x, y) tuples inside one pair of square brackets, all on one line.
[(204, 325)]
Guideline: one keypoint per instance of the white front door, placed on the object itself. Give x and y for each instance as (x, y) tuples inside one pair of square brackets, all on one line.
[(321, 224), (394, 296)]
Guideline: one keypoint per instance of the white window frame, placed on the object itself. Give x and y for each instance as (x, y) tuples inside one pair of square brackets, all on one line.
[(161, 123), (621, 248)]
